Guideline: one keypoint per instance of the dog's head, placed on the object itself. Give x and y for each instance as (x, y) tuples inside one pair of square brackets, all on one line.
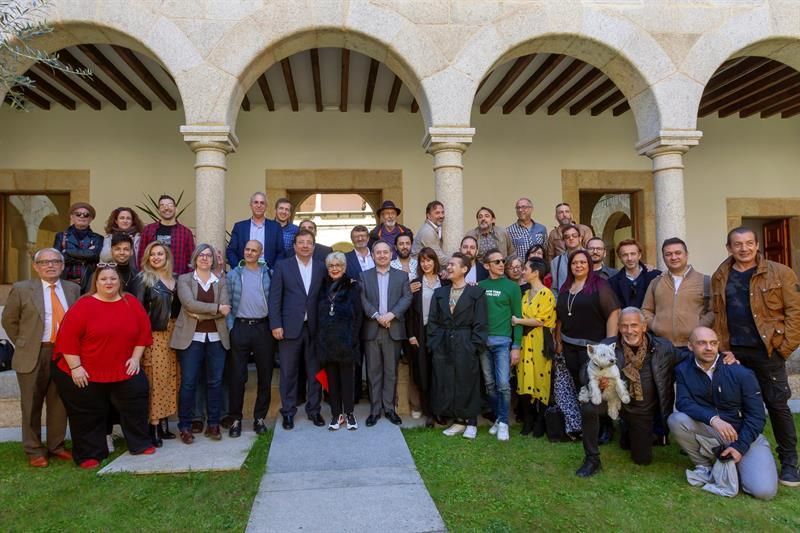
[(602, 355)]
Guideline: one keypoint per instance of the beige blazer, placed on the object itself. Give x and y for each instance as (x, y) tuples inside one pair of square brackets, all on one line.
[(23, 320), (185, 325)]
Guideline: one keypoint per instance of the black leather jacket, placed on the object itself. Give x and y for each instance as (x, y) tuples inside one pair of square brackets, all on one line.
[(160, 303)]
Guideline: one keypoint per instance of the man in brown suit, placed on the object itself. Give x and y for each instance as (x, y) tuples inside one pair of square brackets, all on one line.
[(31, 318)]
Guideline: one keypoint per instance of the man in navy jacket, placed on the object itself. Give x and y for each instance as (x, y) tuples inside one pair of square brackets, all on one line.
[(256, 228), (723, 403)]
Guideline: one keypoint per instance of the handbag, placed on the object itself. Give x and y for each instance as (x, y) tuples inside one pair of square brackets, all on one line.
[(6, 354)]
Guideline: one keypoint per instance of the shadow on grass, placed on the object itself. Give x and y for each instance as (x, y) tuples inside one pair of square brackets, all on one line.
[(63, 497), (529, 484)]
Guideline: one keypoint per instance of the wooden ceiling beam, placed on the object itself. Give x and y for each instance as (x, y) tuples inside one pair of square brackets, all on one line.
[(263, 84), (146, 76), (414, 106), (317, 79), (94, 82), (788, 102), (607, 102), (110, 70), (44, 87), (556, 85), (286, 66), (35, 99), (246, 103), (374, 64), (79, 92), (742, 68), (790, 112), (549, 64), (509, 78), (766, 76), (765, 105), (397, 84), (621, 109), (591, 97), (577, 88), (760, 94), (345, 79)]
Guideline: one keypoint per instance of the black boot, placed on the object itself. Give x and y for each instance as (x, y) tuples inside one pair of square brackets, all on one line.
[(539, 426), (155, 440), (163, 429), (527, 415), (591, 466)]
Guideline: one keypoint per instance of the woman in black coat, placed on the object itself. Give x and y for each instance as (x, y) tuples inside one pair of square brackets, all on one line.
[(457, 332), (339, 315)]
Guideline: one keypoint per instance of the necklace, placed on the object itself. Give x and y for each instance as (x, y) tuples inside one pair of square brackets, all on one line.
[(571, 300), (331, 299), (435, 284), (455, 294)]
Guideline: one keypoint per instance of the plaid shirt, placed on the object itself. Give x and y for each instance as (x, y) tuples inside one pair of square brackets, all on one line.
[(181, 245), (80, 255), (289, 231), (523, 238)]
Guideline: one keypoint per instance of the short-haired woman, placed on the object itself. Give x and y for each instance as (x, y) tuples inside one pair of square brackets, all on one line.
[(96, 363), (201, 338)]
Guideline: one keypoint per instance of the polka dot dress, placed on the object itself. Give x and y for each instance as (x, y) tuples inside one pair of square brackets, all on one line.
[(160, 365), (533, 370)]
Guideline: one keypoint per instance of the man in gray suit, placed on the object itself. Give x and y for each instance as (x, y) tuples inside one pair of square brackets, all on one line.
[(31, 318), (385, 297)]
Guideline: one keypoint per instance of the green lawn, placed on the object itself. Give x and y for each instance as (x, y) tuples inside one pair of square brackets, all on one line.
[(63, 497), (529, 484)]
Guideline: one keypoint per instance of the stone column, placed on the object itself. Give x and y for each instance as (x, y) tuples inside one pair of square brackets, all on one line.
[(667, 151), (211, 145), (447, 145)]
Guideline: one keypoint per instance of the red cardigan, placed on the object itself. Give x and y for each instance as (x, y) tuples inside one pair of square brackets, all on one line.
[(104, 335)]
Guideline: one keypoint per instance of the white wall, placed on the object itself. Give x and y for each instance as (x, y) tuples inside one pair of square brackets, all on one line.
[(132, 152)]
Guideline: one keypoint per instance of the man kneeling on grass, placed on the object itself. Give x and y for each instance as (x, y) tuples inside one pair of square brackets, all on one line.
[(719, 420)]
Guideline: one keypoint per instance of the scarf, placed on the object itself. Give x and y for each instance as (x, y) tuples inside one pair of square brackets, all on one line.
[(130, 231), (633, 363)]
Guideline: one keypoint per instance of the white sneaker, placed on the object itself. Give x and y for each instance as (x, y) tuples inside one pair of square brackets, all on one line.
[(110, 443), (502, 431), (454, 430), (416, 415), (471, 432), (493, 429), (334, 425)]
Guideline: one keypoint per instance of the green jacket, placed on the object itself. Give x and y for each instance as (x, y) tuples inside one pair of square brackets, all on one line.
[(503, 299)]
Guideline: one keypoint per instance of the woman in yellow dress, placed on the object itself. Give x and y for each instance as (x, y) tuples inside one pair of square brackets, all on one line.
[(533, 370)]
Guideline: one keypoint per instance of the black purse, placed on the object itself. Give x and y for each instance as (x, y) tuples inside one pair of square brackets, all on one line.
[(6, 354)]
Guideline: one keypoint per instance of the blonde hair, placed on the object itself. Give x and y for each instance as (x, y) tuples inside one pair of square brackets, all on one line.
[(149, 275)]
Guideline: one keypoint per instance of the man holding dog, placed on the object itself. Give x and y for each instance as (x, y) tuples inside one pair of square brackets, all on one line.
[(646, 365)]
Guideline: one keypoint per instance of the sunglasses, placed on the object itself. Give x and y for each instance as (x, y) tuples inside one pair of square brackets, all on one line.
[(82, 214), (497, 262)]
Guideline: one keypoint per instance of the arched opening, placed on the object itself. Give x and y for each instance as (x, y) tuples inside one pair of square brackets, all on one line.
[(334, 214)]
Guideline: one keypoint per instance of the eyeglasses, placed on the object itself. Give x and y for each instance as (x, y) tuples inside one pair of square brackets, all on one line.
[(523, 207), (82, 214), (205, 256), (335, 266), (106, 265), (497, 262), (596, 249), (49, 262)]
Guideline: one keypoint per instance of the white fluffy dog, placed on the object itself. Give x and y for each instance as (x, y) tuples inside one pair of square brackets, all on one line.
[(603, 364)]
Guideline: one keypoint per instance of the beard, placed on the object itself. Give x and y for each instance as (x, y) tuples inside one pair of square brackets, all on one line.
[(403, 254)]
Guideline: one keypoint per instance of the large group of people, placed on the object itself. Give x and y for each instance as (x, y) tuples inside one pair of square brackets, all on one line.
[(500, 328)]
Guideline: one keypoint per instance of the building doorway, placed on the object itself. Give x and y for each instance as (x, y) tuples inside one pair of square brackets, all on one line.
[(775, 237), (335, 214), (613, 216)]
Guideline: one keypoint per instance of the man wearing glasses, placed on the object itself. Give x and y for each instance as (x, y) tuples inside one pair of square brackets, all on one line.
[(559, 265), (630, 284), (503, 300), (172, 233), (525, 232), (556, 245), (597, 251), (79, 245), (31, 317)]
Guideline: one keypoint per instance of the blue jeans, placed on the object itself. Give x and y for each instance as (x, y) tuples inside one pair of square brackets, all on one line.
[(199, 355), (496, 367)]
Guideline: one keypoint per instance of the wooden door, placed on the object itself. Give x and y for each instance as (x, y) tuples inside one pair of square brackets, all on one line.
[(776, 242)]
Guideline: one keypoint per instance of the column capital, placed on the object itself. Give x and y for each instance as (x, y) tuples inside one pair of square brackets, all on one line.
[(447, 138), (210, 137), (669, 141)]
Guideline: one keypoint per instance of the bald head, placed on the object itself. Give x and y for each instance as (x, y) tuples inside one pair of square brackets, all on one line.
[(704, 343), (252, 252)]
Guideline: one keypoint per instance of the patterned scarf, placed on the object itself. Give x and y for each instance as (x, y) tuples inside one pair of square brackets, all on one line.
[(633, 363)]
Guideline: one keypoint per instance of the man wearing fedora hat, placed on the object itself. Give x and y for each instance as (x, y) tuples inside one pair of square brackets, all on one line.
[(388, 229), (79, 245)]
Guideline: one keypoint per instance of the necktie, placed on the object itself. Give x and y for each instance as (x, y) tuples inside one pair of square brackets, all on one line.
[(58, 312)]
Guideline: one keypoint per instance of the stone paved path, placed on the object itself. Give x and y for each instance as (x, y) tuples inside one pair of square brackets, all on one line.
[(342, 481)]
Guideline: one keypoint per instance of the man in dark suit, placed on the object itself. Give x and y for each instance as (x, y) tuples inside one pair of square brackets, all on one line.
[(256, 228), (359, 258), (385, 296), (293, 294), (31, 318)]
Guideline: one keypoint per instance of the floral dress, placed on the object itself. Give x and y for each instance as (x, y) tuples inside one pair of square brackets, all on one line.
[(533, 370)]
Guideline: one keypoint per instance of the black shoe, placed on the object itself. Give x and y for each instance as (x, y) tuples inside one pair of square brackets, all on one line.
[(259, 426), (429, 423), (606, 434), (155, 440), (317, 419), (789, 476), (288, 422), (392, 417), (590, 466), (236, 429), (372, 420), (660, 440), (227, 421), (163, 430)]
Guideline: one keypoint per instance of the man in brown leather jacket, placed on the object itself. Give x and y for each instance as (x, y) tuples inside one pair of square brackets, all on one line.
[(757, 317)]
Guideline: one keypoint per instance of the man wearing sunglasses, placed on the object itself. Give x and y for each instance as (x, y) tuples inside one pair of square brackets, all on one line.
[(80, 245), (503, 299)]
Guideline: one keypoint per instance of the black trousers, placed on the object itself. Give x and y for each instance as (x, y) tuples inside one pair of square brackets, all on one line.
[(575, 357), (88, 407), (640, 432), (249, 336), (774, 383), (292, 351), (340, 385)]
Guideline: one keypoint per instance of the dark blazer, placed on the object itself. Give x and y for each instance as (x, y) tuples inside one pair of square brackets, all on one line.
[(273, 242), (288, 302), (23, 320), (353, 266), (398, 302)]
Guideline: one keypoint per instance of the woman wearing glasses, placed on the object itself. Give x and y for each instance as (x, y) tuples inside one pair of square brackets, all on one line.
[(201, 339), (156, 288), (97, 363), (80, 245)]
